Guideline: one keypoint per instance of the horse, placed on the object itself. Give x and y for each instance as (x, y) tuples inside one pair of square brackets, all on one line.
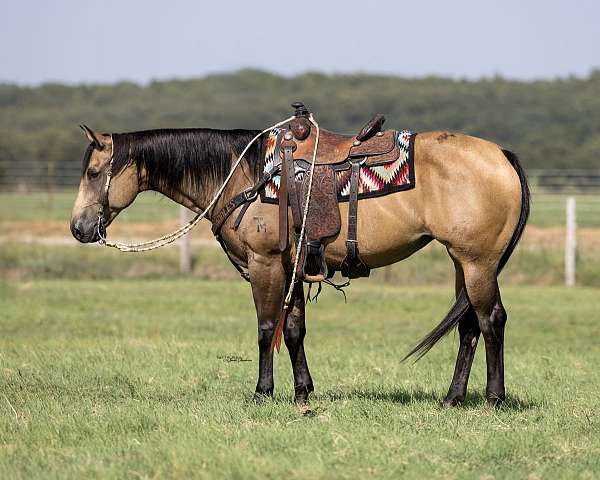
[(471, 195)]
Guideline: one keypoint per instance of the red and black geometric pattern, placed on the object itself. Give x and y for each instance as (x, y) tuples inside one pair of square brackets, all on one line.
[(391, 177)]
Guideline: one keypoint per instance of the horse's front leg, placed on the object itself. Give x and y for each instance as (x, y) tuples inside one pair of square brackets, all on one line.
[(267, 278), (294, 333)]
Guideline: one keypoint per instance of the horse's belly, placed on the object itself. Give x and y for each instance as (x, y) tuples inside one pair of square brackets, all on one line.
[(388, 231)]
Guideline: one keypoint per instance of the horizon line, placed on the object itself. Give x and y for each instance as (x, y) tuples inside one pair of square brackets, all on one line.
[(593, 71)]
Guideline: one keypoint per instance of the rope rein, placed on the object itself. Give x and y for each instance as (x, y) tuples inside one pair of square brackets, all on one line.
[(180, 232)]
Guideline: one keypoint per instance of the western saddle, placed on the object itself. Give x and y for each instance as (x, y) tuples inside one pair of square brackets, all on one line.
[(372, 146)]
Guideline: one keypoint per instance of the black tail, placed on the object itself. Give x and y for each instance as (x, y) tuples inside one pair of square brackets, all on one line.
[(525, 205), (450, 321), (462, 304)]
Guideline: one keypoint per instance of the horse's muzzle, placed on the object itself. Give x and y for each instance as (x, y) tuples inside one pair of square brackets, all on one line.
[(84, 232)]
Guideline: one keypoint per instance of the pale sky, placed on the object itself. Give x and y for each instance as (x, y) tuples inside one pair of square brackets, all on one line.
[(106, 41)]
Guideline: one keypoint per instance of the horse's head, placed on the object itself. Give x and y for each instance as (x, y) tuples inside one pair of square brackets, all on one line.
[(95, 200)]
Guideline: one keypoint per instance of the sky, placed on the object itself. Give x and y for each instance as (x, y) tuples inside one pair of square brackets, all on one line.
[(107, 41)]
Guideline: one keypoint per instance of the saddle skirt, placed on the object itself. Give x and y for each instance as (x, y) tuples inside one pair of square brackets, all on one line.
[(393, 173)]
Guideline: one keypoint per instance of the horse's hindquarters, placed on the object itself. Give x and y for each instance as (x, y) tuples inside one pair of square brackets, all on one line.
[(467, 196), (471, 192)]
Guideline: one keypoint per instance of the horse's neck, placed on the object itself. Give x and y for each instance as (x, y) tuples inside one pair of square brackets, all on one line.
[(198, 201), (195, 201)]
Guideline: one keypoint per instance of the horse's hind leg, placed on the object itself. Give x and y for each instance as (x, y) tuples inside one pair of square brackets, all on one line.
[(294, 333), (482, 287), (468, 329)]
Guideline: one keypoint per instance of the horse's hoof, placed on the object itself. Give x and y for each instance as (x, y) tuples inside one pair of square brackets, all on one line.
[(451, 402), (260, 397), (495, 400), (302, 393), (301, 398)]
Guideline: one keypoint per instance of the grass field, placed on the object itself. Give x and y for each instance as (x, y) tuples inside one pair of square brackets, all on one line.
[(57, 206), (140, 379)]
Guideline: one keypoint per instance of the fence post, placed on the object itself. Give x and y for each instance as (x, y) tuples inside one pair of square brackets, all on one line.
[(185, 250), (570, 243)]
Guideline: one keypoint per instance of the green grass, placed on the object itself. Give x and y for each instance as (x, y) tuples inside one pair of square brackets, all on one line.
[(550, 211), (128, 379), (547, 210)]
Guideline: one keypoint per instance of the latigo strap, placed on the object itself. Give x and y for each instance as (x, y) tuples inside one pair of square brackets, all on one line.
[(353, 266)]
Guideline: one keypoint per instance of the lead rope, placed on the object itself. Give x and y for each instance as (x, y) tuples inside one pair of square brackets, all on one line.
[(180, 232), (276, 343)]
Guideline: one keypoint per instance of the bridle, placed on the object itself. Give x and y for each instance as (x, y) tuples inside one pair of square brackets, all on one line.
[(103, 203)]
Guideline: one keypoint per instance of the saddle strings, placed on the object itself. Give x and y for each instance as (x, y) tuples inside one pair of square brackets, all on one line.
[(180, 232), (288, 297)]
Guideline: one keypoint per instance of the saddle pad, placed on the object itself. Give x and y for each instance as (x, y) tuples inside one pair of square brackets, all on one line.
[(376, 181)]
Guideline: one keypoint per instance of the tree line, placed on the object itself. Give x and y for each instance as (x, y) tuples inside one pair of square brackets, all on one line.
[(550, 123)]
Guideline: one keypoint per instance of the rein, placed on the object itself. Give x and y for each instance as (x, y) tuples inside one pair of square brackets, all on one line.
[(180, 232)]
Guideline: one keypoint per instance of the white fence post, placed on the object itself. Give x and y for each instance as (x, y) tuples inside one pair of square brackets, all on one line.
[(185, 250), (570, 243)]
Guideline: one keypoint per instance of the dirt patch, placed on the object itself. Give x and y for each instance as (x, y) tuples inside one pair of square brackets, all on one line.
[(554, 237), (58, 232), (123, 231)]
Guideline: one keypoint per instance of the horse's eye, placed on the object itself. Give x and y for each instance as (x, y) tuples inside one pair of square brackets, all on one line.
[(92, 173)]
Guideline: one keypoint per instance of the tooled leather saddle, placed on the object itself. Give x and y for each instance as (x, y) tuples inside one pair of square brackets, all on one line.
[(336, 154)]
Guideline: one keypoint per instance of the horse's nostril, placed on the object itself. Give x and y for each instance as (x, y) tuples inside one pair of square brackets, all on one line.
[(76, 231)]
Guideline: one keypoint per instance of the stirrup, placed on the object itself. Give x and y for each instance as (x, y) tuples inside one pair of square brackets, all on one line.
[(352, 266), (314, 268)]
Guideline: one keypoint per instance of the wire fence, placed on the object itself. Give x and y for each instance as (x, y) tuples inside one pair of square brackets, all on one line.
[(549, 187), (558, 181), (36, 176)]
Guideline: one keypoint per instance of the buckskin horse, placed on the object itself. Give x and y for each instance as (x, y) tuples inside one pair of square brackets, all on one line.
[(467, 193)]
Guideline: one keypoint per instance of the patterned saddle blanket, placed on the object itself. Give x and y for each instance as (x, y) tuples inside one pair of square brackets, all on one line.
[(374, 181)]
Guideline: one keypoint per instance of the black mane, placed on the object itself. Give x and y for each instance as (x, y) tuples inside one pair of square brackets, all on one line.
[(173, 156)]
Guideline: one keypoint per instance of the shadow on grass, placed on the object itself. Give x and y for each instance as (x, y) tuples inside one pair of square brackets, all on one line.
[(405, 396), (512, 402), (376, 395)]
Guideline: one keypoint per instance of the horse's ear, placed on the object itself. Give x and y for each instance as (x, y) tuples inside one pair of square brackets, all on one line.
[(92, 137)]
